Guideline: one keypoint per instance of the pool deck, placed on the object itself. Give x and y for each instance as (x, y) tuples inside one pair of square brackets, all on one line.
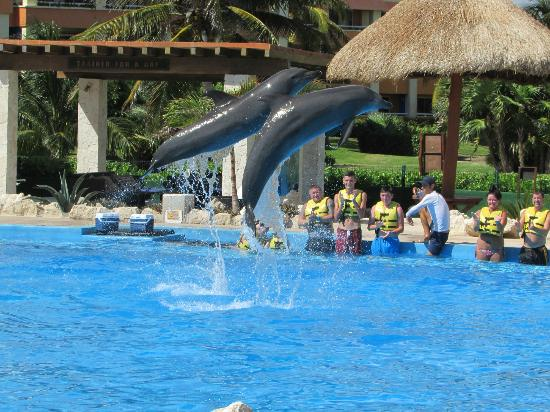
[(459, 246), (412, 234)]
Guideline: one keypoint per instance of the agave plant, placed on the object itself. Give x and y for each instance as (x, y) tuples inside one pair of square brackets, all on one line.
[(66, 199)]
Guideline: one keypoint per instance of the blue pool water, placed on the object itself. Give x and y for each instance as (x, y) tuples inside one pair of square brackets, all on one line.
[(135, 324)]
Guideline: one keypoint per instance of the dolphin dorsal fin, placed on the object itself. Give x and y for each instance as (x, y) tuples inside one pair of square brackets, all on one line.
[(220, 98), (347, 127)]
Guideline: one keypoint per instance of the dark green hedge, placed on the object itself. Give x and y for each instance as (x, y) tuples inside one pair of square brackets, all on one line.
[(389, 134), (464, 180)]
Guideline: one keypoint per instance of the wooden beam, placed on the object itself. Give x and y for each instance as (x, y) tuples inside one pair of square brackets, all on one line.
[(53, 49), (8, 48), (79, 49), (176, 51), (125, 51), (195, 51), (101, 50), (32, 49), (150, 51)]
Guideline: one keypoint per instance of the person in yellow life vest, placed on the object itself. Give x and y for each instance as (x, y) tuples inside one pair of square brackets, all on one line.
[(317, 216), (261, 235), (275, 242), (387, 220), (490, 222), (350, 206), (535, 221)]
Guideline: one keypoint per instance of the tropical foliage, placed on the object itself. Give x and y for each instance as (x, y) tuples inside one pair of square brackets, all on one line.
[(305, 23), (65, 198), (479, 181), (511, 118)]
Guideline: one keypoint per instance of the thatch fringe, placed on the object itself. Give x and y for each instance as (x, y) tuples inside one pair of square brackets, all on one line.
[(443, 37)]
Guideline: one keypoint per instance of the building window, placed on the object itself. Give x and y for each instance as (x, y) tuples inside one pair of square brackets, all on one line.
[(424, 104)]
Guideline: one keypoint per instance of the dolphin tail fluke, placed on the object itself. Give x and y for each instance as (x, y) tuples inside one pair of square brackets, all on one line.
[(250, 219)]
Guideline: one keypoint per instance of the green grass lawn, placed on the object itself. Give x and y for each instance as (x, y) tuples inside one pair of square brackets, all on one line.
[(349, 155)]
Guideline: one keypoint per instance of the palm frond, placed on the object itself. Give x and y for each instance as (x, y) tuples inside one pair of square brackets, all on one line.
[(254, 24), (149, 21)]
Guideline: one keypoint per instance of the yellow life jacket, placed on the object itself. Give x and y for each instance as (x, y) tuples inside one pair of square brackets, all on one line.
[(348, 208), (538, 218), (487, 222), (243, 244), (388, 216), (276, 243), (319, 209)]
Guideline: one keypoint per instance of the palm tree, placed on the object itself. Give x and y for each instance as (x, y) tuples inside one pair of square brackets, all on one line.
[(306, 22), (512, 118), (47, 107)]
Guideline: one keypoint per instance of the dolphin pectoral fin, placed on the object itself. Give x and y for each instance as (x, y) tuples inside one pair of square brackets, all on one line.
[(220, 98), (347, 127)]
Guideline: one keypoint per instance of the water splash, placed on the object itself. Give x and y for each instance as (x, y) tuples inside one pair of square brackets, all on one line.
[(205, 166), (272, 289)]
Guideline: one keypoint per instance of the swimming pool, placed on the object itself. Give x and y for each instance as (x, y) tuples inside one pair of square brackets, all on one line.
[(131, 323)]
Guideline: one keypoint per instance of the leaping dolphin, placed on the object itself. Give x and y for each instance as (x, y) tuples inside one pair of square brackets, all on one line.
[(297, 121), (233, 119)]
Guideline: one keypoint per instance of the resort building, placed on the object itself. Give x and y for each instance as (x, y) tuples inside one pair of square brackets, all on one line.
[(410, 98)]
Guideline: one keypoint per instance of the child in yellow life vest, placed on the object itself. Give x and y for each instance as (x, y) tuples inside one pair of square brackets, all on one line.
[(261, 236), (387, 220), (535, 222), (490, 222), (316, 216), (275, 242)]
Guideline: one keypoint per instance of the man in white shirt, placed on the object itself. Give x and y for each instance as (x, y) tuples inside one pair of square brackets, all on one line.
[(439, 212)]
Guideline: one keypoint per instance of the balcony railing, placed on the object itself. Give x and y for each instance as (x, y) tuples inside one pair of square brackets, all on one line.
[(82, 4)]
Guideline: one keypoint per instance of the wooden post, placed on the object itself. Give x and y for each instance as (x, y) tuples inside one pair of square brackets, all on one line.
[(451, 145)]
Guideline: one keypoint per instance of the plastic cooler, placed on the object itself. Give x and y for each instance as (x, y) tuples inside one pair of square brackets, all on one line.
[(106, 222), (142, 223)]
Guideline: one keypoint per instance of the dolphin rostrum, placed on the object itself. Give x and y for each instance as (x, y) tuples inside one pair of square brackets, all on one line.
[(296, 121), (233, 119)]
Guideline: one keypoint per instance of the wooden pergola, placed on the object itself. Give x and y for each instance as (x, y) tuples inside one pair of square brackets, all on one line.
[(95, 62), (134, 60)]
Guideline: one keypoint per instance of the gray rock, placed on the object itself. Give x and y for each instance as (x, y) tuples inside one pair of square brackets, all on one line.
[(197, 217), (84, 212), (235, 407), (125, 212), (52, 210), (222, 219), (217, 205)]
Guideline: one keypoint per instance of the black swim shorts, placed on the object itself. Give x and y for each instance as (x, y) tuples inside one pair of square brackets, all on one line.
[(437, 241), (534, 256)]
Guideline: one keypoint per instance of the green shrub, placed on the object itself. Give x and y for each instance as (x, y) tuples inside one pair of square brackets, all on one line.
[(68, 198), (330, 160), (124, 168), (385, 133), (367, 178)]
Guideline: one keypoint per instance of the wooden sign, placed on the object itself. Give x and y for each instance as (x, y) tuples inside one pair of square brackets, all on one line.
[(430, 152), (173, 216), (87, 63)]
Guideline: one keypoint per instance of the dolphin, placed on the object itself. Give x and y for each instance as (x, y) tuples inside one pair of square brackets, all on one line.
[(233, 118), (296, 121)]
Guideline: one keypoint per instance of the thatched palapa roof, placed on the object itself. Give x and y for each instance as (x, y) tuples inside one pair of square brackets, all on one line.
[(443, 37)]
